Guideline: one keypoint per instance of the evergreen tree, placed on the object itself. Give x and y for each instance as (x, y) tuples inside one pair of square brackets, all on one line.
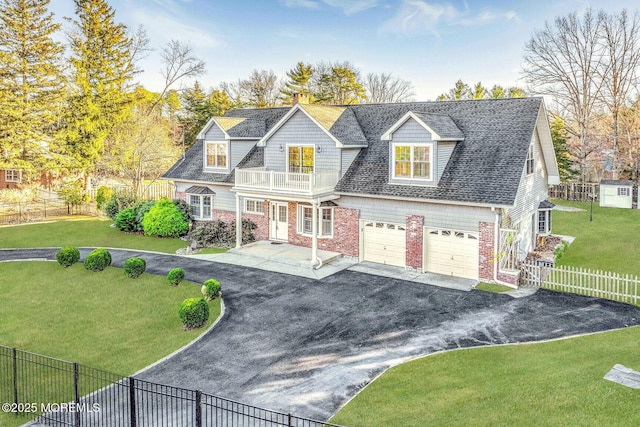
[(299, 82), (31, 83), (102, 64), (199, 107), (559, 138), (340, 86)]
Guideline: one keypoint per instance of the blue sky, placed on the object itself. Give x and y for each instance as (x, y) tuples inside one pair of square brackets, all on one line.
[(431, 43)]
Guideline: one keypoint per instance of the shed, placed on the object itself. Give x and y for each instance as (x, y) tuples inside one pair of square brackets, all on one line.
[(616, 193)]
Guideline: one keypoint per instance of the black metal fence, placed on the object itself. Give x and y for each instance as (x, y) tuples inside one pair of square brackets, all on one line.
[(39, 209), (56, 392)]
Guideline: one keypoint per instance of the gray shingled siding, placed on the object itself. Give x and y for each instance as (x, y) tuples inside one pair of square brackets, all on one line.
[(214, 134), (239, 149), (348, 155), (225, 199), (412, 132), (299, 129), (445, 149), (464, 218), (532, 191)]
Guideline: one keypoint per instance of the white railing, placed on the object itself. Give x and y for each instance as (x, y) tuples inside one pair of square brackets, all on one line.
[(595, 283), (284, 182)]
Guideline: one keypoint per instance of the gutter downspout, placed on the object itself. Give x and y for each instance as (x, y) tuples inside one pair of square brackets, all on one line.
[(314, 235), (238, 222)]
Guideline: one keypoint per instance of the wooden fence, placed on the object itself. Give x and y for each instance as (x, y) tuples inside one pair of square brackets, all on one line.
[(575, 191), (595, 283), (154, 191)]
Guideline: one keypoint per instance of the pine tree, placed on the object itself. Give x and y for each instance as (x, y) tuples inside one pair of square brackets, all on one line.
[(31, 83), (102, 71), (299, 82), (566, 165)]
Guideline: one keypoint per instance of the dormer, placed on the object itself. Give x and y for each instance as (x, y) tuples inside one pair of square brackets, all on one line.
[(420, 145), (227, 140)]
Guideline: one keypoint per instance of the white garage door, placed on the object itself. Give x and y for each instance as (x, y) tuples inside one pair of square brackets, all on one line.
[(450, 252), (384, 243)]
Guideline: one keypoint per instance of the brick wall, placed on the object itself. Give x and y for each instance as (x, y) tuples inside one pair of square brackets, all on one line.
[(181, 195), (414, 230), (487, 250), (346, 232), (510, 278)]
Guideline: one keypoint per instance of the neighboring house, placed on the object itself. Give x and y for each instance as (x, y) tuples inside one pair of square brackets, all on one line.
[(456, 188), (616, 193), (10, 178)]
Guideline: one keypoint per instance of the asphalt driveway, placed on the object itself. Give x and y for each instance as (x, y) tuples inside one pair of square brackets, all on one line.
[(306, 347)]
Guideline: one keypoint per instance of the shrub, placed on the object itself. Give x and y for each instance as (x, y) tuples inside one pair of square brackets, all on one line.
[(210, 289), (119, 201), (184, 208), (103, 196), (221, 234), (194, 313), (142, 211), (97, 260), (126, 220), (134, 267), (175, 276), (68, 256), (165, 220)]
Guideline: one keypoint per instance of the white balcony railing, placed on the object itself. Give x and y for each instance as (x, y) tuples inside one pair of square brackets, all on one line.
[(284, 182)]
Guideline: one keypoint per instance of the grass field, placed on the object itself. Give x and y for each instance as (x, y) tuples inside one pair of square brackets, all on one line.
[(82, 233), (552, 384)]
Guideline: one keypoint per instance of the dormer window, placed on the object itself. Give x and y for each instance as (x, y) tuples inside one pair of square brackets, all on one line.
[(412, 161), (216, 155)]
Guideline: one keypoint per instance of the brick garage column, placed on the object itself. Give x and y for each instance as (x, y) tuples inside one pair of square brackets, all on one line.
[(487, 250), (414, 230)]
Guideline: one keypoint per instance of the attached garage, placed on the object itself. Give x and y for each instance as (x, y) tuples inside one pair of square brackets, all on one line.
[(451, 252), (384, 243)]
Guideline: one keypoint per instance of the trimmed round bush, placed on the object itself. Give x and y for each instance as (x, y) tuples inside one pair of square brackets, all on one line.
[(67, 256), (210, 289), (165, 220), (126, 220), (97, 260), (134, 267), (194, 313), (175, 276)]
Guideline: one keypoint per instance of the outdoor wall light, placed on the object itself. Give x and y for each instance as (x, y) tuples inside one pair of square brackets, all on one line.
[(319, 148), (281, 147)]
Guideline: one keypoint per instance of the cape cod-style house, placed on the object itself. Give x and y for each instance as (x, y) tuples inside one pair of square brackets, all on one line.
[(456, 188)]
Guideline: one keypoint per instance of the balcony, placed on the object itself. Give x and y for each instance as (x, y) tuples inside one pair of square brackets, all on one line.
[(305, 184)]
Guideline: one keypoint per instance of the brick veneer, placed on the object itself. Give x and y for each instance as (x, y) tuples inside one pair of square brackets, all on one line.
[(510, 278), (346, 231), (487, 250), (181, 195), (414, 231)]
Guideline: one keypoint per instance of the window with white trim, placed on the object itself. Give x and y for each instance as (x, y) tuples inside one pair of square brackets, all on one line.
[(544, 221), (530, 160), (305, 221), (12, 175), (301, 159), (215, 154), (254, 206), (623, 191), (200, 205), (412, 161)]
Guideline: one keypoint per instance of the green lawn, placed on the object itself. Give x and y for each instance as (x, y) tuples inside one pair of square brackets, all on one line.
[(548, 384), (82, 233), (609, 242), (552, 384), (492, 287)]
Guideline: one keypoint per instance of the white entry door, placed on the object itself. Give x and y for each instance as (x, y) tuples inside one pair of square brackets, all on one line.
[(279, 221)]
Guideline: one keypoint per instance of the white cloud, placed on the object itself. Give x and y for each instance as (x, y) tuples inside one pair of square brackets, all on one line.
[(419, 16)]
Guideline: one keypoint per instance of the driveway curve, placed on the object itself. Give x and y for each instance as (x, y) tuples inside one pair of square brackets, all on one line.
[(306, 346)]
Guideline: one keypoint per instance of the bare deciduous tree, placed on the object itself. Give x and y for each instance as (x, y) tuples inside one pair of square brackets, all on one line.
[(260, 89), (384, 87)]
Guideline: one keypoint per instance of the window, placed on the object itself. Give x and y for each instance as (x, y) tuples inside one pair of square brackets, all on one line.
[(254, 206), (216, 154), (544, 222), (530, 161), (12, 175), (301, 159), (305, 221), (200, 206), (623, 191), (412, 161)]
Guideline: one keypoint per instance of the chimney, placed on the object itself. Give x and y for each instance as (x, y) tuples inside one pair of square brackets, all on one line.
[(299, 98)]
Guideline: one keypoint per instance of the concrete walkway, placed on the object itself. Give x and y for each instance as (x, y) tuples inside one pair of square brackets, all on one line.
[(307, 346)]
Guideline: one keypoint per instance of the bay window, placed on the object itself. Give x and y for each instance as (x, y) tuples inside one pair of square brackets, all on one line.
[(200, 206)]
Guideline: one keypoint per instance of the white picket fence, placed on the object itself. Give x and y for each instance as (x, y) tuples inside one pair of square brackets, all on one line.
[(595, 283)]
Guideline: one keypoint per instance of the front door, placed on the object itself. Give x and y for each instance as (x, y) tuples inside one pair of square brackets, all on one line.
[(279, 221)]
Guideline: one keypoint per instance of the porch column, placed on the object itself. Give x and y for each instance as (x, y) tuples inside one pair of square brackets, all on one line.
[(238, 222), (314, 229)]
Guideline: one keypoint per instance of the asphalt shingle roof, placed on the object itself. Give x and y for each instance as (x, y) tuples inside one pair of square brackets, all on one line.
[(484, 168)]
